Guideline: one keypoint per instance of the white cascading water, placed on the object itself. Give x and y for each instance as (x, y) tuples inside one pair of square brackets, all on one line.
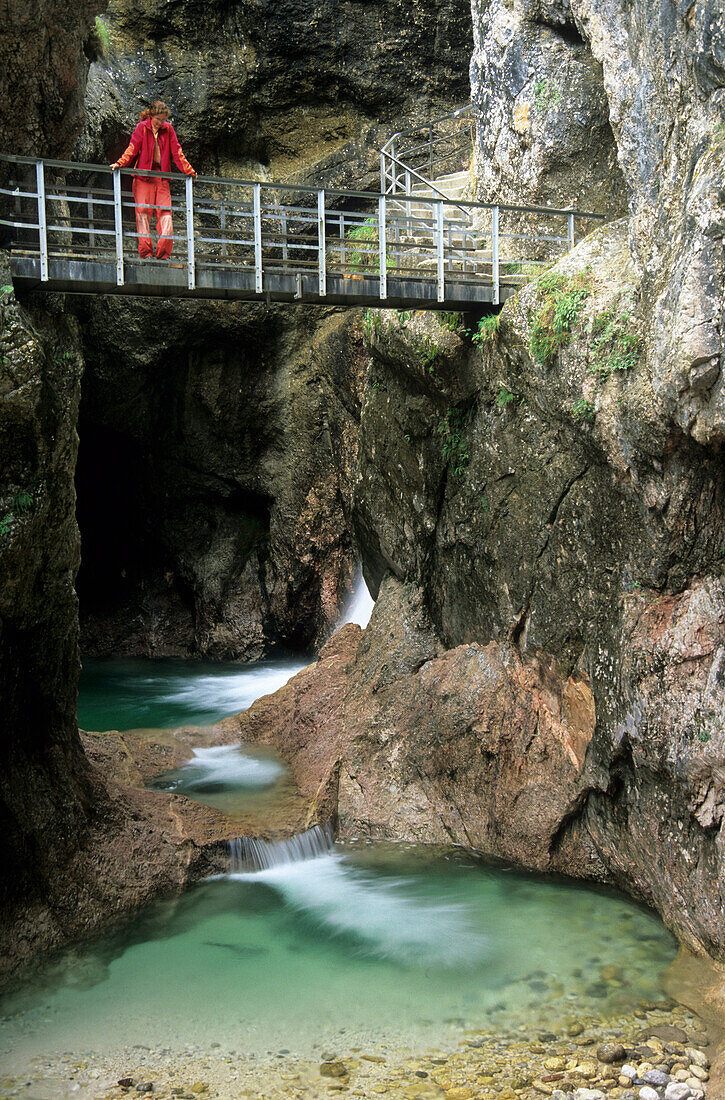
[(385, 915), (359, 607), (248, 853), (224, 766)]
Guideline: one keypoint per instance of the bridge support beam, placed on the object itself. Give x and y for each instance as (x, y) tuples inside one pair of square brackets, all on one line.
[(321, 257), (257, 215), (440, 253)]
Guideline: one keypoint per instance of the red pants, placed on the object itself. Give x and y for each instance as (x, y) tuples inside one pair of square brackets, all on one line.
[(153, 195)]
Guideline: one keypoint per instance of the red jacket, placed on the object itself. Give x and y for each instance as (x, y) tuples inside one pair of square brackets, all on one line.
[(142, 145)]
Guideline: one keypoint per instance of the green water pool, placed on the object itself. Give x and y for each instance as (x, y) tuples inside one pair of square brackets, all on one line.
[(371, 942)]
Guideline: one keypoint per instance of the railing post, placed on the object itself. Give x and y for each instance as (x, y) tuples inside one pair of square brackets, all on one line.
[(42, 220), (190, 255), (342, 243), (91, 223), (570, 230), (383, 247), (440, 251), (322, 269), (118, 225), (408, 185), (494, 256), (257, 211), (382, 172), (223, 227), (283, 227)]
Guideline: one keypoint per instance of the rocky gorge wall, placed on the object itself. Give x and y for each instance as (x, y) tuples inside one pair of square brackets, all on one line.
[(547, 684), (212, 516), (209, 419)]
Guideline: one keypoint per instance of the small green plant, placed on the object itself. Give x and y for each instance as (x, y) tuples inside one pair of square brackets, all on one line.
[(704, 735), (485, 506), (7, 289), (582, 410), (553, 323), (21, 502), (487, 330), (364, 235), (451, 428), (616, 346), (546, 95), (404, 315), (504, 398), (450, 321), (372, 323), (406, 437), (427, 350), (102, 35), (718, 134)]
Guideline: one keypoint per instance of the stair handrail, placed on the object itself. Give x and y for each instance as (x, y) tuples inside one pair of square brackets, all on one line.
[(405, 194), (390, 156)]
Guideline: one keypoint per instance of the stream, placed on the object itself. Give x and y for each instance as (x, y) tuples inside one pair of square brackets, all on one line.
[(307, 945)]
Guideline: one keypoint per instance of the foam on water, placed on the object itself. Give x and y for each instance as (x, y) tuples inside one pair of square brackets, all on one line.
[(129, 694), (386, 918), (221, 767)]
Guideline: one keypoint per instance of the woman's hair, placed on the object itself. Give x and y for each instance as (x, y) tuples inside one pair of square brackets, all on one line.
[(158, 107)]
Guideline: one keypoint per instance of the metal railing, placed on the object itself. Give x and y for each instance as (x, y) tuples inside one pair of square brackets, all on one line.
[(73, 226), (421, 154)]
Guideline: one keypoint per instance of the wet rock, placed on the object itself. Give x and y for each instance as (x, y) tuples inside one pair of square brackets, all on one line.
[(145, 1086), (677, 1090), (611, 1052), (699, 1073), (648, 1093), (656, 1077), (697, 1057), (333, 1069)]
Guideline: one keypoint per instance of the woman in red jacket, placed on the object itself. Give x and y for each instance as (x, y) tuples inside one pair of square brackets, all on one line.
[(153, 144)]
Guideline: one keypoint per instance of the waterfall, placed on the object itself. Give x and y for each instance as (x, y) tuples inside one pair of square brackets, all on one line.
[(248, 853), (359, 606)]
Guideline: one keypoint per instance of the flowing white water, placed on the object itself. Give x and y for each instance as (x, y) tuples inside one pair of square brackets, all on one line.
[(222, 767), (127, 694), (359, 607), (385, 917), (252, 854)]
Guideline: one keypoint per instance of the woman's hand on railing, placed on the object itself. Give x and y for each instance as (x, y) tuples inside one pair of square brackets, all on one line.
[(114, 167)]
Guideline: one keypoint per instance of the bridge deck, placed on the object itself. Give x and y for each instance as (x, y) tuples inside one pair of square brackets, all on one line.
[(75, 228)]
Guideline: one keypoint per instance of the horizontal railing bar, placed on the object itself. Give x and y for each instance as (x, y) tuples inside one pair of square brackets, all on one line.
[(299, 189)]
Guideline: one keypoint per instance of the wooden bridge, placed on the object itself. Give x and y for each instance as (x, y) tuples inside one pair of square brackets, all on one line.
[(71, 227)]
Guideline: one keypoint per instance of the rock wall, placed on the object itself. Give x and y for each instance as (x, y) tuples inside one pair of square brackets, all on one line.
[(547, 685), (235, 537), (47, 792), (208, 497)]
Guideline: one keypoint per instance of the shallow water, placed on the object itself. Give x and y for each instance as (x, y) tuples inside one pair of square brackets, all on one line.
[(231, 778), (133, 693), (374, 942)]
